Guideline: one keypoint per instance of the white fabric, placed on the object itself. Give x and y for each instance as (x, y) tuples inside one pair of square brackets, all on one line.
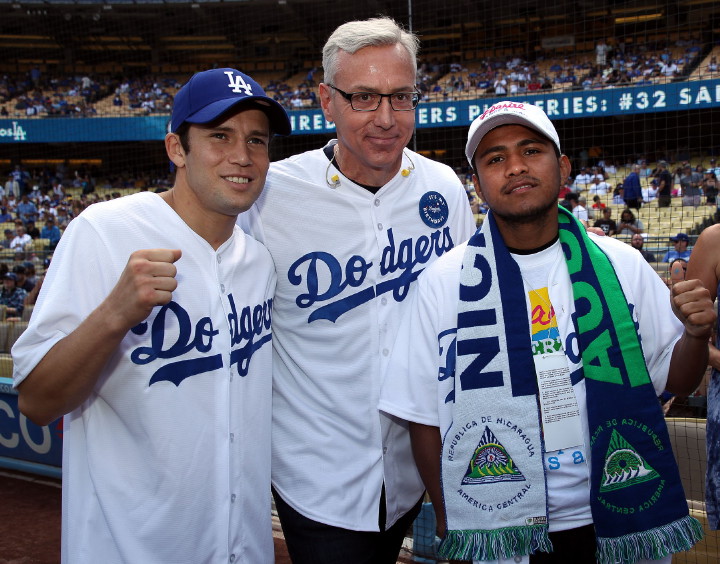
[(580, 212), (332, 450), (416, 384), (158, 473)]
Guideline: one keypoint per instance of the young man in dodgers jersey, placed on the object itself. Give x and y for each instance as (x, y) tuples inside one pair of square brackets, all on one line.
[(350, 227), (515, 377), (152, 334)]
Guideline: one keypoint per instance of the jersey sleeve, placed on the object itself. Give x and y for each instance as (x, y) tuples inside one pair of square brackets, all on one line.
[(420, 375), (77, 281)]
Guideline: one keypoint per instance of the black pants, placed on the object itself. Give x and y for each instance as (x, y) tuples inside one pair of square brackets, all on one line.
[(574, 546), (310, 542)]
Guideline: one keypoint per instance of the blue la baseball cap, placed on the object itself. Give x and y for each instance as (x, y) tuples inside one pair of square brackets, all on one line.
[(209, 94)]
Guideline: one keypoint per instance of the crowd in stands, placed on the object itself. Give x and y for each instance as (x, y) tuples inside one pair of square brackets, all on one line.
[(609, 65)]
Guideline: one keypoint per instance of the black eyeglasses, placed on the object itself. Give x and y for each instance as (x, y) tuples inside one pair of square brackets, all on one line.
[(370, 101)]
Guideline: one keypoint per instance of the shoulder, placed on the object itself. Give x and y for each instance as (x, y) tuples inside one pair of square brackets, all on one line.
[(448, 265), (298, 165)]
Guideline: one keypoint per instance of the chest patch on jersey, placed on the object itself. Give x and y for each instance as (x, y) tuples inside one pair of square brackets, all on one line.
[(433, 209)]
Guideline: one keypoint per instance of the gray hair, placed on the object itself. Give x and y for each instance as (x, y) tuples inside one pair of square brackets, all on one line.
[(353, 36)]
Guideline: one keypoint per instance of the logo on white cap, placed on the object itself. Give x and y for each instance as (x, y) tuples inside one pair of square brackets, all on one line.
[(509, 113)]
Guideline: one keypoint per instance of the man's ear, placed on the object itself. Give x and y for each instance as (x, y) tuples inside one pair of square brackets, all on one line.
[(565, 168), (174, 149), (478, 189), (325, 101)]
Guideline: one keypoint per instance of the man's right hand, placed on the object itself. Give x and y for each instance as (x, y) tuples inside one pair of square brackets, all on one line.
[(148, 280)]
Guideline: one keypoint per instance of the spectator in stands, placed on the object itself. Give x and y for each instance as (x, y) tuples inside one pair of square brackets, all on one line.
[(21, 239), (680, 242), (12, 297), (582, 180), (618, 194), (650, 192), (706, 267), (637, 241), (21, 278), (50, 232), (598, 205), (63, 217), (5, 216), (30, 272), (26, 210), (598, 186), (606, 223), (577, 208), (601, 51), (632, 191), (31, 229), (500, 85), (7, 241), (665, 184), (710, 187), (629, 224), (12, 186), (690, 181)]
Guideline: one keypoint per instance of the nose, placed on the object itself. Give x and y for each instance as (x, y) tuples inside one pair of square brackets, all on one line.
[(384, 116), (240, 154), (515, 165)]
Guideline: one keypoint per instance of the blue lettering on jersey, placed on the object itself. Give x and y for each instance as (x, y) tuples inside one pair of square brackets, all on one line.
[(402, 257), (448, 350), (244, 327)]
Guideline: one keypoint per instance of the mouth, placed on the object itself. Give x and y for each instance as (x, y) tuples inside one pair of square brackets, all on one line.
[(520, 186), (237, 179)]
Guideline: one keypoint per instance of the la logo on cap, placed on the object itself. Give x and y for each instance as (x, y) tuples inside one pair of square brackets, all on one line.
[(237, 84)]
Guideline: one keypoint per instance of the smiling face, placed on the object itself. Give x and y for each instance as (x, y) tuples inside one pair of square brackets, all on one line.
[(519, 175), (223, 172), (370, 144)]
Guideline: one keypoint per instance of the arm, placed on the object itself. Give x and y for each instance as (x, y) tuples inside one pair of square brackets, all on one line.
[(426, 447), (67, 374), (692, 305)]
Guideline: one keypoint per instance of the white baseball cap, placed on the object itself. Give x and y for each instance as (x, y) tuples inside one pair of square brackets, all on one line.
[(509, 113)]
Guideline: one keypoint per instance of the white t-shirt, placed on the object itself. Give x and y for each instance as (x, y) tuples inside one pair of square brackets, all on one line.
[(420, 375), (168, 460)]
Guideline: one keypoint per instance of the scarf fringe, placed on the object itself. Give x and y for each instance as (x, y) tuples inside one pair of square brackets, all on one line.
[(652, 544), (495, 544)]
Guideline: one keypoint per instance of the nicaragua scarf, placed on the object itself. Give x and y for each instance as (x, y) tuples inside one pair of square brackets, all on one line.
[(493, 476)]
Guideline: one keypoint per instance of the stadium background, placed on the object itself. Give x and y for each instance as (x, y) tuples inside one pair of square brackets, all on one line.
[(64, 61)]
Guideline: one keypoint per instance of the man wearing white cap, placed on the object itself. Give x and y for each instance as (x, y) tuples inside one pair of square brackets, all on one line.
[(160, 362), (531, 395)]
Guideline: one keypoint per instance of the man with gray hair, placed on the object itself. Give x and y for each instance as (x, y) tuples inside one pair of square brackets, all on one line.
[(350, 227)]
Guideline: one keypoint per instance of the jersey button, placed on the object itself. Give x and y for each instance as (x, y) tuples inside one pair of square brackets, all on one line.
[(232, 498), (232, 437), (386, 352), (383, 301), (219, 258), (222, 288), (377, 202), (232, 558), (379, 226)]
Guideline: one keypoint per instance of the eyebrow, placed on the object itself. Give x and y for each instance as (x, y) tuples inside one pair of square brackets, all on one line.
[(523, 143), (373, 90)]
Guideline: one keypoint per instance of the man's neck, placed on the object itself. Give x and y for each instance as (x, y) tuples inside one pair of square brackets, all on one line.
[(528, 236)]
